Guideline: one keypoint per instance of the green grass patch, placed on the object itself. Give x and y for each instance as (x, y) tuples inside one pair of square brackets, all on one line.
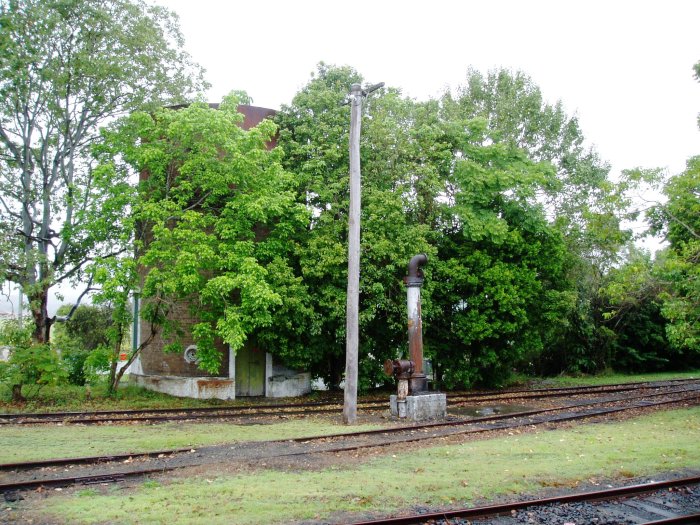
[(22, 443), (129, 397), (610, 378), (88, 398), (448, 475), (80, 398)]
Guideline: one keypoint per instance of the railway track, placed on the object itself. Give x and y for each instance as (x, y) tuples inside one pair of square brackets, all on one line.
[(112, 468), (668, 502), (292, 409)]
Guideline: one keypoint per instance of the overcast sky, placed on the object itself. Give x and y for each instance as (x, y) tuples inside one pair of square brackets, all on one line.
[(623, 67)]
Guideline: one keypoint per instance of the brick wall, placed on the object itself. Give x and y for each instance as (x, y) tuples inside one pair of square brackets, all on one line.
[(154, 361)]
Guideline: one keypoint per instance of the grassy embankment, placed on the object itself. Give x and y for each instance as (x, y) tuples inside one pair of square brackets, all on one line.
[(611, 378), (457, 475), (22, 443), (77, 398)]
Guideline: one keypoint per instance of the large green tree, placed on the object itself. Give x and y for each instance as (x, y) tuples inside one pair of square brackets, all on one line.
[(217, 220), (436, 178), (500, 279), (66, 68), (679, 266), (314, 131)]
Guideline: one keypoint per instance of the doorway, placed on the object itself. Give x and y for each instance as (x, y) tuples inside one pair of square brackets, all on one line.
[(250, 372)]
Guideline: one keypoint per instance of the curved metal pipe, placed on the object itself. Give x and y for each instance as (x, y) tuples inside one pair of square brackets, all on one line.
[(415, 273)]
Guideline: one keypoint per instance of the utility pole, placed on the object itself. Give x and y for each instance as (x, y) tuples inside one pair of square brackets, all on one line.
[(353, 298)]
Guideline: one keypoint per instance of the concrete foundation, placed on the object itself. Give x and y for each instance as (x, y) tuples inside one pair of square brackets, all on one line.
[(421, 407), (196, 387), (289, 385)]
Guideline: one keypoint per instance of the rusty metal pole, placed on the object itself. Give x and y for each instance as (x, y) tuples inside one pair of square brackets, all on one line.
[(418, 382), (352, 312)]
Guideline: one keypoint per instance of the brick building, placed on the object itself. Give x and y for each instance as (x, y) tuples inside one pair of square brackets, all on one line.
[(249, 372)]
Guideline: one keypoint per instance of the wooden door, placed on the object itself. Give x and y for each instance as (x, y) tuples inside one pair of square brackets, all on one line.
[(250, 372)]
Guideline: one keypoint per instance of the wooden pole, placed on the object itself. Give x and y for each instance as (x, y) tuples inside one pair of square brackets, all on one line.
[(353, 298)]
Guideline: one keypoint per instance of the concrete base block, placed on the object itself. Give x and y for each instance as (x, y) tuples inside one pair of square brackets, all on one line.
[(289, 385), (195, 387), (420, 407)]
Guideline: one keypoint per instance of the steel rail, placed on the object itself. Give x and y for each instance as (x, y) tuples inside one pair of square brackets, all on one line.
[(203, 413), (571, 388), (506, 508), (82, 460), (567, 392), (118, 476), (465, 422), (96, 417), (693, 519)]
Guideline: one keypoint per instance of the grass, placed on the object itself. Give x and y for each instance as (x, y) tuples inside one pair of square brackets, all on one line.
[(78, 398), (457, 475), (610, 378), (22, 443)]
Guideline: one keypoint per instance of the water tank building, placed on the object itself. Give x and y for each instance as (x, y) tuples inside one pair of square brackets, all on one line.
[(250, 371)]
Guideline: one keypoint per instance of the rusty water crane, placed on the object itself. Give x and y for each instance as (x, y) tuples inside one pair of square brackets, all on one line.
[(413, 399)]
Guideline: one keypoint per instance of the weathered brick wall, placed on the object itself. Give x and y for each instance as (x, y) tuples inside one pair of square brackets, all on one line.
[(153, 360), (157, 362)]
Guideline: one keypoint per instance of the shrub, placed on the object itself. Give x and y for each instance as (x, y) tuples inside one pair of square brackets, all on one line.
[(28, 363)]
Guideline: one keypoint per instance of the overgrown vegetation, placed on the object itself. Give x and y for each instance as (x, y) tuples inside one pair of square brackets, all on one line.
[(531, 269), (29, 364), (445, 476)]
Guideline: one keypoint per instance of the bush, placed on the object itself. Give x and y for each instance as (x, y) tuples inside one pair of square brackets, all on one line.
[(28, 363), (84, 333)]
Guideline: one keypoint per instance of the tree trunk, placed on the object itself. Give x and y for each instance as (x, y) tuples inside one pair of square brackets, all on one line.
[(118, 377), (113, 368), (17, 396), (38, 304)]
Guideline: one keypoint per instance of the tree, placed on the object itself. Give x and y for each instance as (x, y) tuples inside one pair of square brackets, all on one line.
[(216, 219), (633, 294), (515, 112), (85, 332), (500, 277), (66, 68), (314, 134), (581, 202), (679, 266)]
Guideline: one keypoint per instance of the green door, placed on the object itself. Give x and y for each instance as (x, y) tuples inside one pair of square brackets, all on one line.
[(250, 372)]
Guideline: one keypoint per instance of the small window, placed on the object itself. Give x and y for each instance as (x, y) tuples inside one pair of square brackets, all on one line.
[(191, 355)]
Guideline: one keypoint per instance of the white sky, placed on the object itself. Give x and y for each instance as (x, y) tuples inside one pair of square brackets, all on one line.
[(624, 67)]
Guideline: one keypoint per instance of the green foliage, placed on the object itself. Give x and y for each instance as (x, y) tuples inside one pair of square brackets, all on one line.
[(457, 179), (633, 295), (66, 68), (314, 137), (85, 332), (679, 265), (29, 364), (522, 176), (496, 300), (216, 214)]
